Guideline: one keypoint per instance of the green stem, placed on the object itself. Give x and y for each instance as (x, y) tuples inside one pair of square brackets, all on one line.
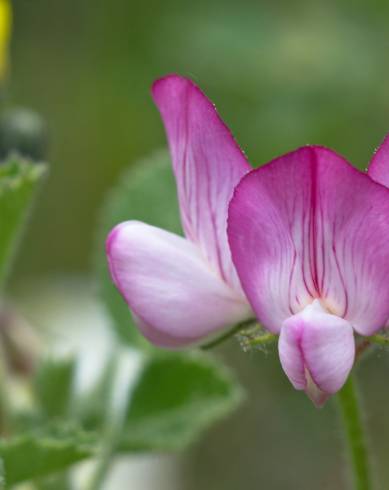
[(229, 334), (354, 433), (114, 422), (105, 458)]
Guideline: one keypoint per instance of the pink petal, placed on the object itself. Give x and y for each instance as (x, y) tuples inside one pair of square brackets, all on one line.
[(308, 225), (317, 352), (207, 164), (379, 166), (175, 296)]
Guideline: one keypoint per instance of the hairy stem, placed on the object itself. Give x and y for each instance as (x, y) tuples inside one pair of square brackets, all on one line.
[(354, 434), (233, 331)]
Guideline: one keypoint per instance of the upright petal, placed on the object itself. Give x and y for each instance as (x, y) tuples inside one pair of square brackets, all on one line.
[(317, 352), (379, 166), (207, 163), (176, 298), (308, 225)]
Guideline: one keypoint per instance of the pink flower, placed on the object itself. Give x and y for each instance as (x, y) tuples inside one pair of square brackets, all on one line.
[(308, 234), (309, 237), (183, 290)]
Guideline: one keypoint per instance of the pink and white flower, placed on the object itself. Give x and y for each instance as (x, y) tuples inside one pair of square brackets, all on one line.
[(307, 244), (309, 236), (184, 290)]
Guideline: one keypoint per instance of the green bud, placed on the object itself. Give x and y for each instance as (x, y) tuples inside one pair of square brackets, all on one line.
[(23, 131)]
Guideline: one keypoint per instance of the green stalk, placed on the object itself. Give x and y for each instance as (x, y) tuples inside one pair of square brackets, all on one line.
[(354, 435), (114, 422), (233, 331), (105, 458)]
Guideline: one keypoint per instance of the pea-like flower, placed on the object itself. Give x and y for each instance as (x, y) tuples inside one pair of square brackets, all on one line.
[(307, 243), (184, 290), (309, 236)]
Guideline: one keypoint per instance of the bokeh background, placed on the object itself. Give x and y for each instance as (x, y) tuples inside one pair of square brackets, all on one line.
[(282, 74)]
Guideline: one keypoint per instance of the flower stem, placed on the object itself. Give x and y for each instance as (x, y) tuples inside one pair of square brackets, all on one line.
[(354, 434), (233, 331), (115, 415), (105, 459)]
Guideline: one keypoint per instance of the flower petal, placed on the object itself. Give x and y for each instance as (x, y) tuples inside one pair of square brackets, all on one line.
[(317, 351), (176, 298), (308, 225), (207, 164), (379, 166)]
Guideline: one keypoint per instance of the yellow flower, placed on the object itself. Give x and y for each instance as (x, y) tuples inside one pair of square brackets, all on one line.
[(5, 32)]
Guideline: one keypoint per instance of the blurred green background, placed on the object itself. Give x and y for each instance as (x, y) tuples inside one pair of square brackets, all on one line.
[(282, 74)]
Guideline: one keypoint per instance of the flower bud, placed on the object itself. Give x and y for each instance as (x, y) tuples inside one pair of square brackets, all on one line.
[(23, 131)]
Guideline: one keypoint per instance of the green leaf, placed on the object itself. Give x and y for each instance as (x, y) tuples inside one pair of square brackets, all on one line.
[(59, 481), (41, 453), (175, 399), (54, 386), (146, 192), (18, 181)]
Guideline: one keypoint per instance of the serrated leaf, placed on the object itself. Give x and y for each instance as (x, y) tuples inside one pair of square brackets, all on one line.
[(41, 453), (18, 181), (175, 399), (146, 192)]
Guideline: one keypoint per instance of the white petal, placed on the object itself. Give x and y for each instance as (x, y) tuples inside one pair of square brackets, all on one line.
[(177, 298)]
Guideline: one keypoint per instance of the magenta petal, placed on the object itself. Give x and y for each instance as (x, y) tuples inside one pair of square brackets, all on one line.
[(379, 166), (175, 296), (308, 225), (207, 164), (317, 352)]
